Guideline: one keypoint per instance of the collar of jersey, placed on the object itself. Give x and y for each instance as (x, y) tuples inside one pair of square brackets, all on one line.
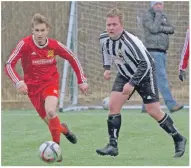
[(118, 38), (39, 45)]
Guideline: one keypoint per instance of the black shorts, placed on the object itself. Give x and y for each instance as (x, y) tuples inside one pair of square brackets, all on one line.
[(147, 88)]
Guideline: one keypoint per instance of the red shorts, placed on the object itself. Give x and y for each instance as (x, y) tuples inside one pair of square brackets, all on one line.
[(39, 98)]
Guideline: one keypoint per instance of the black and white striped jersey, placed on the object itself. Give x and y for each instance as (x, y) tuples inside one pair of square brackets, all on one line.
[(128, 53)]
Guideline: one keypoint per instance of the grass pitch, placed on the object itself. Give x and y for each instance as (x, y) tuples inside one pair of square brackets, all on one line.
[(141, 143)]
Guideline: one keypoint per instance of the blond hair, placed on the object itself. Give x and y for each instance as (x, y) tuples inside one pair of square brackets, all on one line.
[(116, 12), (39, 19)]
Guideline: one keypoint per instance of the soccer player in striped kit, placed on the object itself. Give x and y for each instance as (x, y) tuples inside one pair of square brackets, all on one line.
[(136, 71), (41, 78)]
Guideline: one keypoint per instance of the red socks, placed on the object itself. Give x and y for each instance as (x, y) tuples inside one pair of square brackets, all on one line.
[(64, 129), (56, 128)]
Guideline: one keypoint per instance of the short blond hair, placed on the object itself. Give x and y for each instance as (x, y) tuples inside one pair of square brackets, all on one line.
[(116, 12), (39, 19)]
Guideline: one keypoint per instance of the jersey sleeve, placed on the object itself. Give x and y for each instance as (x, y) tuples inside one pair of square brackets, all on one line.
[(12, 61), (65, 53), (185, 53), (107, 61)]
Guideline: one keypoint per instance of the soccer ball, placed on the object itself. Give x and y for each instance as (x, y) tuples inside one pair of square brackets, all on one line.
[(105, 103), (50, 151)]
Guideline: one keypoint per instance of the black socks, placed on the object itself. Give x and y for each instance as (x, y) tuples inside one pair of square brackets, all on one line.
[(167, 124), (114, 124)]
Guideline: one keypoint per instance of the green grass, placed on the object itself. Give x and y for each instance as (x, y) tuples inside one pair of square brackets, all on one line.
[(141, 143)]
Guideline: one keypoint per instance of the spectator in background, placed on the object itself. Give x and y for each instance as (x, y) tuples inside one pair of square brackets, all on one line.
[(184, 57), (157, 29)]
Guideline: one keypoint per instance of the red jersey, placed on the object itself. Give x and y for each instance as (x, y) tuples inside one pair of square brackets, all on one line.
[(185, 53), (39, 63)]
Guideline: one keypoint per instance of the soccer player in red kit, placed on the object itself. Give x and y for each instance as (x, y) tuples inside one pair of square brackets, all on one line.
[(184, 57), (41, 78)]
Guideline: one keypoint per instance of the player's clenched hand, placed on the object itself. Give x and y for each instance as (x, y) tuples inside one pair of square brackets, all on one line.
[(107, 74), (84, 88), (127, 89), (22, 87)]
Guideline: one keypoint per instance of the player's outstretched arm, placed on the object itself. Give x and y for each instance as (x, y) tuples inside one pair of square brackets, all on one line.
[(10, 68), (74, 62)]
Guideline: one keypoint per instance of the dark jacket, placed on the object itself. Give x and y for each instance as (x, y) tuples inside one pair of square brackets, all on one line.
[(156, 30)]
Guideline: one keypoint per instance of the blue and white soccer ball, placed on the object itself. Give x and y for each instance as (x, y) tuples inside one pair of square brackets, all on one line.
[(105, 103)]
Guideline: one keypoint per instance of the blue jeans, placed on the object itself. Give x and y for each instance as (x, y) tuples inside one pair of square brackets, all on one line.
[(162, 81)]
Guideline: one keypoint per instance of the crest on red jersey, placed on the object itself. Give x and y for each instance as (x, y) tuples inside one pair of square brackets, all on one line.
[(50, 53)]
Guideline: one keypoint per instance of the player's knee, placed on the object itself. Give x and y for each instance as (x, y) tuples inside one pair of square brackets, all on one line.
[(150, 110), (50, 113), (46, 120), (113, 109), (153, 107)]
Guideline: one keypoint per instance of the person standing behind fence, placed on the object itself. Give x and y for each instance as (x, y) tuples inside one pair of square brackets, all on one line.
[(184, 57), (157, 29), (41, 78)]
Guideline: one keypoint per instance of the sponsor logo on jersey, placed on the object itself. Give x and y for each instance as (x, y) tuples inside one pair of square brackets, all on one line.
[(42, 61)]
